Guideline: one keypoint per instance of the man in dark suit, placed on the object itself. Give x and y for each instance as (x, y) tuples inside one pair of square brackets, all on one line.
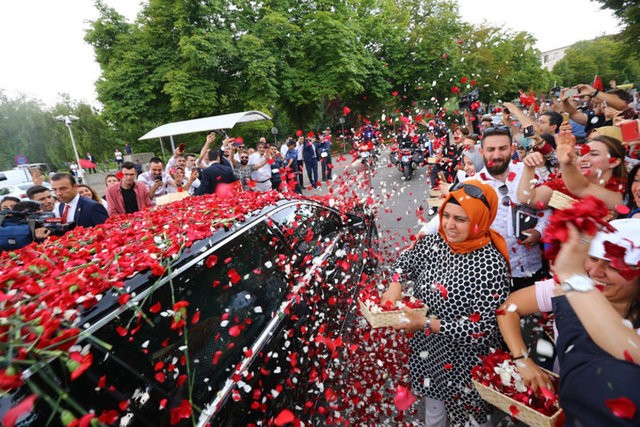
[(215, 174), (73, 207)]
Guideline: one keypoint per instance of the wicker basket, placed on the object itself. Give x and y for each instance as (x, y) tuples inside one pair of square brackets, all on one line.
[(386, 318), (527, 415), (560, 200)]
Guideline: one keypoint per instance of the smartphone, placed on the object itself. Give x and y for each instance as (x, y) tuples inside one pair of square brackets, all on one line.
[(571, 92), (630, 130), (528, 131), (506, 110), (565, 117), (181, 148), (442, 177)]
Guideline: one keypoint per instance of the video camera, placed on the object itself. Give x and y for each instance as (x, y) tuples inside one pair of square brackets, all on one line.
[(468, 99), (40, 219)]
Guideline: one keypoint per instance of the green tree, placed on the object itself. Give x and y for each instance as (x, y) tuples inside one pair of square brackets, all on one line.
[(629, 14), (605, 56)]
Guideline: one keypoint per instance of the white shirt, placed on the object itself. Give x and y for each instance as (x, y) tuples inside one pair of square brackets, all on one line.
[(262, 174), (525, 261), (71, 213), (299, 148)]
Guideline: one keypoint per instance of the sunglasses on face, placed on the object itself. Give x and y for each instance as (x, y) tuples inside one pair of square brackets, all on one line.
[(472, 191), (497, 130)]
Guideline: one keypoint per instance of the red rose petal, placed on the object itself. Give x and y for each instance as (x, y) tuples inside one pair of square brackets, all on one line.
[(284, 417), (403, 399), (584, 150), (621, 407), (474, 317), (514, 410), (12, 415), (622, 209)]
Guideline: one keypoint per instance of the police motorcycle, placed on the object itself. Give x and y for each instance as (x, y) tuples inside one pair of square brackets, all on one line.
[(406, 155), (367, 147)]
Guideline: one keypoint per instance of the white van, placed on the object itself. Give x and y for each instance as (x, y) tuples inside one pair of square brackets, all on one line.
[(15, 177)]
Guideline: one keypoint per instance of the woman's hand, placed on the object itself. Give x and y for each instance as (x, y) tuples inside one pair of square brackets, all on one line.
[(411, 321), (393, 294), (565, 148), (570, 259), (532, 375), (534, 160)]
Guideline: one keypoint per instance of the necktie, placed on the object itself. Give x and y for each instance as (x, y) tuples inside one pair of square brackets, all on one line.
[(63, 217)]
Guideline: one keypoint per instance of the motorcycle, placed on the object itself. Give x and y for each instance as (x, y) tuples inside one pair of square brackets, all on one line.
[(407, 156), (367, 152)]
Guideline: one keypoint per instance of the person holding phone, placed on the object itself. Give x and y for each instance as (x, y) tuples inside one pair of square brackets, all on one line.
[(156, 179), (598, 170)]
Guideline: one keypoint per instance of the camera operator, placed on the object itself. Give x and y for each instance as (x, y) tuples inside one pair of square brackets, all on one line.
[(156, 179), (23, 225)]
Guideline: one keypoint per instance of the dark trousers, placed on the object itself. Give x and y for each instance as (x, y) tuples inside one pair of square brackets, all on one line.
[(300, 172), (312, 170), (523, 282), (326, 168)]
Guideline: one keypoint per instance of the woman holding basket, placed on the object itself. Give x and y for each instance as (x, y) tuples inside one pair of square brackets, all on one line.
[(462, 275)]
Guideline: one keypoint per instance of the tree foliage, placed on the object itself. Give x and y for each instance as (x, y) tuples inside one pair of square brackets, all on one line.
[(301, 61), (29, 129), (605, 56), (629, 13)]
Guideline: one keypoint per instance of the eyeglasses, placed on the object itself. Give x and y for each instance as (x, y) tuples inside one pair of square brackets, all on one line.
[(504, 191), (497, 130), (472, 191)]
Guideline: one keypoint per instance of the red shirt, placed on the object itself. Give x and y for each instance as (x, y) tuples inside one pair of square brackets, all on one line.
[(115, 200), (614, 184)]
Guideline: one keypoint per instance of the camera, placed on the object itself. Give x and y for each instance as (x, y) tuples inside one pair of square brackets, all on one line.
[(55, 226), (468, 99)]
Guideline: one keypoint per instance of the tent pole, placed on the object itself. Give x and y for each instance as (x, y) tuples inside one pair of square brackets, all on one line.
[(161, 147), (173, 145)]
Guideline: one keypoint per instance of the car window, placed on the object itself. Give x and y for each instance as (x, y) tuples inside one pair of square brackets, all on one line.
[(308, 227), (197, 328)]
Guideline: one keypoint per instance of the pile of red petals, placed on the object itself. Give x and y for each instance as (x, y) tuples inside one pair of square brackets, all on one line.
[(488, 374), (588, 215), (46, 286)]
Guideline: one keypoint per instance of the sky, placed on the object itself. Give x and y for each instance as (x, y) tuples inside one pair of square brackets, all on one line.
[(44, 53)]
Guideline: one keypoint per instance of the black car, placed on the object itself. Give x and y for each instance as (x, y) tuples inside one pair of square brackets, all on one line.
[(237, 331)]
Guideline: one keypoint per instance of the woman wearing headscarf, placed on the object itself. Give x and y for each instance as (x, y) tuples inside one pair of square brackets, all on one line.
[(462, 275)]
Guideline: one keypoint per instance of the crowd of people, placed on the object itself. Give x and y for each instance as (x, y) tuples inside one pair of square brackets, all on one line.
[(501, 174), (266, 168), (479, 266)]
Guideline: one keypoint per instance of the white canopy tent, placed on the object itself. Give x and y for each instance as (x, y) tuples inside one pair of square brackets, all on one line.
[(224, 121)]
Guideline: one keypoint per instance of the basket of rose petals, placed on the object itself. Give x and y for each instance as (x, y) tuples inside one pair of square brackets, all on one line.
[(391, 313), (498, 382)]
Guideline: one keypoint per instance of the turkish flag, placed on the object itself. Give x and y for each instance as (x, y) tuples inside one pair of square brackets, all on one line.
[(597, 83)]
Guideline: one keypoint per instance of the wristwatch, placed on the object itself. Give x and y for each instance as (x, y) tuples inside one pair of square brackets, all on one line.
[(578, 283), (427, 325)]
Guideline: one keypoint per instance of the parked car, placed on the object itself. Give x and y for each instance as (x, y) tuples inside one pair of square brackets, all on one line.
[(238, 329)]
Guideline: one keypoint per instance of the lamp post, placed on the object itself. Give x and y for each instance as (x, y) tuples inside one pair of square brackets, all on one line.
[(67, 120), (274, 131)]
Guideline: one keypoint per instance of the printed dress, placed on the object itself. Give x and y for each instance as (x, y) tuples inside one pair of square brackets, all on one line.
[(464, 291)]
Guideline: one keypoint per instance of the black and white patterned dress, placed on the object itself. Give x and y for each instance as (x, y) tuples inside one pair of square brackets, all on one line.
[(464, 291)]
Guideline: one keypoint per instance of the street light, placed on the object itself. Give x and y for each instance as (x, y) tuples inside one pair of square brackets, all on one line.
[(274, 131), (67, 120)]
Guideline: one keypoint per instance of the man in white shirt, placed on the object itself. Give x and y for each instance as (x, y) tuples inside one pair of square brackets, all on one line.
[(261, 174), (504, 176), (156, 179)]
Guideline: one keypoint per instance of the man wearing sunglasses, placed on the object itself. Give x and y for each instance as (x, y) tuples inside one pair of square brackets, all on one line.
[(512, 220)]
